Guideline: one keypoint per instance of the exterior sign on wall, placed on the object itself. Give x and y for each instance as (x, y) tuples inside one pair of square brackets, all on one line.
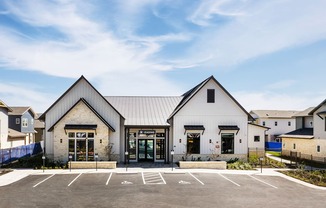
[(146, 132)]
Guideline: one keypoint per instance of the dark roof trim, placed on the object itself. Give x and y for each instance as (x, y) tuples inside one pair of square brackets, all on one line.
[(229, 128), (303, 132), (91, 108), (316, 108), (191, 93), (259, 126), (42, 117), (81, 126)]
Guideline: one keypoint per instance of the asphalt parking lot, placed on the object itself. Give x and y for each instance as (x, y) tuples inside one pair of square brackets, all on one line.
[(158, 189)]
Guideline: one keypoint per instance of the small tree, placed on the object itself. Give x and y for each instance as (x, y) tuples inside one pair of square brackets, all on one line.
[(109, 151)]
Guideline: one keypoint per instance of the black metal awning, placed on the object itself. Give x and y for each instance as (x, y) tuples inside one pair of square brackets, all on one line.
[(229, 128), (194, 127), (81, 126)]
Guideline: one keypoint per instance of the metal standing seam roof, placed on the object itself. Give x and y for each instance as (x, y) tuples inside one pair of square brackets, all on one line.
[(145, 110), (274, 113)]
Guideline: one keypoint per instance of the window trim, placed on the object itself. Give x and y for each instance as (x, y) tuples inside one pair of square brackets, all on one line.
[(17, 120), (24, 122), (256, 137), (233, 144)]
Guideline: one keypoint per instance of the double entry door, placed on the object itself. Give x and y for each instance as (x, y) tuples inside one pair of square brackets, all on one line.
[(145, 149)]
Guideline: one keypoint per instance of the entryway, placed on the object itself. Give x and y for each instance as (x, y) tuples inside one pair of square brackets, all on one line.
[(146, 150)]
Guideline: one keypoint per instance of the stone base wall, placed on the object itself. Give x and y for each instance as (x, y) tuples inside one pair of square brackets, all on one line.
[(203, 164), (92, 165), (205, 157)]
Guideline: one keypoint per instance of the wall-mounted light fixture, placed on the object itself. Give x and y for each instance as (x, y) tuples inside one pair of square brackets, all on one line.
[(240, 141), (60, 140), (180, 140), (210, 141), (100, 141)]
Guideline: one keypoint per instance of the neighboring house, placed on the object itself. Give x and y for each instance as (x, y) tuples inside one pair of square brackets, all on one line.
[(256, 137), (279, 122), (21, 119), (4, 109), (310, 138), (203, 121), (39, 127)]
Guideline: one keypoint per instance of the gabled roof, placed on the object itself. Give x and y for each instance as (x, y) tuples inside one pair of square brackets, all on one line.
[(304, 113), (3, 105), (145, 110), (91, 108), (192, 92), (18, 111), (316, 108), (42, 117), (274, 113), (13, 134)]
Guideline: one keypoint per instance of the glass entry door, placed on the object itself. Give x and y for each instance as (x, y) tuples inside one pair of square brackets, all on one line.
[(145, 149)]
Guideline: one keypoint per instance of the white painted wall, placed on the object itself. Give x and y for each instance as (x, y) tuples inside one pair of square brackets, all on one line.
[(4, 128), (319, 124), (82, 90), (256, 131), (198, 112)]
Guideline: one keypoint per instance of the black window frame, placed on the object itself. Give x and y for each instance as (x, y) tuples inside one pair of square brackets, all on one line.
[(289, 123), (318, 148), (193, 143), (210, 95), (275, 123), (255, 138), (227, 143)]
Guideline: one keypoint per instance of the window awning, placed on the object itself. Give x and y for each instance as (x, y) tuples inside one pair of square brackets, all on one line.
[(194, 127), (229, 128), (80, 126)]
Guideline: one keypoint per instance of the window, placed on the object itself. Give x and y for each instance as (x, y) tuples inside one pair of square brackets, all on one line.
[(318, 148), (275, 123), (257, 139), (293, 146), (25, 122), (289, 123), (193, 143), (264, 123), (310, 123), (210, 95), (81, 146), (227, 144), (17, 120), (32, 121)]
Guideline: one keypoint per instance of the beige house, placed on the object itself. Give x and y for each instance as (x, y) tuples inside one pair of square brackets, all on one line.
[(309, 140)]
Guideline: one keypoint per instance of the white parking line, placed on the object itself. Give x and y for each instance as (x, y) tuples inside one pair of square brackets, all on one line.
[(142, 175), (262, 181), (74, 179), (228, 179), (162, 178), (107, 182), (196, 178), (43, 180)]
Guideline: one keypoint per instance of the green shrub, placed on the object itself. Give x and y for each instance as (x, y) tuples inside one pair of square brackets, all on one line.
[(239, 165)]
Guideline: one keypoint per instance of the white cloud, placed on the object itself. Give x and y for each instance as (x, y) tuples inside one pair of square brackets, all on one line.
[(277, 101), (265, 27), (281, 84), (14, 94)]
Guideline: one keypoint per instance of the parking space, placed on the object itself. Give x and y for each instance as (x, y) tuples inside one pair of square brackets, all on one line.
[(148, 189)]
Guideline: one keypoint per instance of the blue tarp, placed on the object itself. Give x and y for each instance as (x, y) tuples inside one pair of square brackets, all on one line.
[(12, 154), (273, 146)]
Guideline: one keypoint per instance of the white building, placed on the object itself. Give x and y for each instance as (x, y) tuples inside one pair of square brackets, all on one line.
[(279, 122), (206, 122), (309, 139)]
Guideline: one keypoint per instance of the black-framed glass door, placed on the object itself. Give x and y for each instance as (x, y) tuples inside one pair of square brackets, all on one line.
[(145, 149)]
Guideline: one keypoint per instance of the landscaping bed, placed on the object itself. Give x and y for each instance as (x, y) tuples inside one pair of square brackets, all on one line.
[(4, 171), (315, 177)]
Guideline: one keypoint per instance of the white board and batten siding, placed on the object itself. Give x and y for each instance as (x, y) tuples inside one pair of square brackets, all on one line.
[(319, 123), (253, 131), (83, 90), (198, 112)]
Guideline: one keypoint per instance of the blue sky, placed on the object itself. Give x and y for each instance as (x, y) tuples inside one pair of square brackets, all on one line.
[(267, 54)]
